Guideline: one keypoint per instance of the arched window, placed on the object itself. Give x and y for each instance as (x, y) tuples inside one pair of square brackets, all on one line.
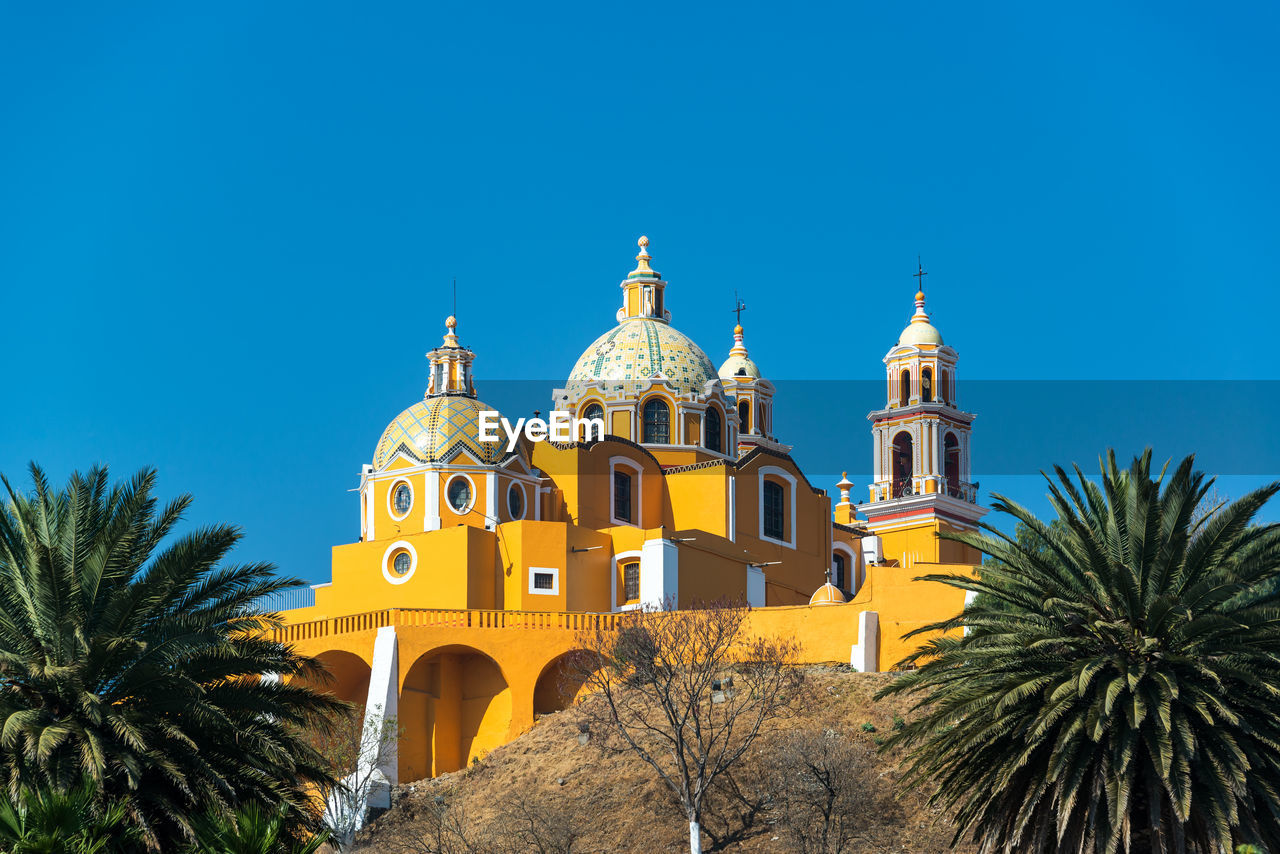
[(926, 385), (775, 498), (744, 417), (904, 388), (622, 496), (951, 464), (902, 464), (944, 386), (762, 420), (594, 410), (838, 571), (711, 430), (631, 581), (657, 422)]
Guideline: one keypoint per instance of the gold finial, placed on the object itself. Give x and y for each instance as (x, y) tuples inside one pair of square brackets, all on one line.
[(737, 330), (451, 322), (450, 335), (643, 258)]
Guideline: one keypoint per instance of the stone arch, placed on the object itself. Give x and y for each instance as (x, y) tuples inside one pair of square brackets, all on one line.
[(560, 683), (455, 705)]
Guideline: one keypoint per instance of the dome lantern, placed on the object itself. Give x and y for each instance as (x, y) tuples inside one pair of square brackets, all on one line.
[(643, 289), (451, 365)]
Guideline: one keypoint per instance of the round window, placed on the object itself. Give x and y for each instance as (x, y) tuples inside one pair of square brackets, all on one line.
[(459, 493), (402, 499), (515, 501), (402, 563)]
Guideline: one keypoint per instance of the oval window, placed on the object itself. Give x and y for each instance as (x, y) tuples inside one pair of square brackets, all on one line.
[(515, 501), (402, 499), (402, 563), (459, 493)]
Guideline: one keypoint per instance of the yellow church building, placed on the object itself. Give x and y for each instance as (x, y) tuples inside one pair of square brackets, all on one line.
[(477, 565)]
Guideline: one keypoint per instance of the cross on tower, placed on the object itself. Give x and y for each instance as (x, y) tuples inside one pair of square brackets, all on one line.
[(919, 274), (739, 307)]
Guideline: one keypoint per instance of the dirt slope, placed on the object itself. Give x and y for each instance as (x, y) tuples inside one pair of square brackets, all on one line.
[(617, 804)]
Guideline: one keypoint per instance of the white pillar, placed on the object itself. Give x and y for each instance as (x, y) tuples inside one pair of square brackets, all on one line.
[(659, 573), (865, 654), (755, 586), (431, 511), (382, 705)]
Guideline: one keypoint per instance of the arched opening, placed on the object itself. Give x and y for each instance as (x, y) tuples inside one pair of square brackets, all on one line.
[(902, 464), (561, 682), (657, 422), (744, 417), (926, 385), (839, 571), (951, 464), (762, 420), (944, 386), (711, 431), (347, 680), (594, 410), (348, 677), (455, 705), (904, 387)]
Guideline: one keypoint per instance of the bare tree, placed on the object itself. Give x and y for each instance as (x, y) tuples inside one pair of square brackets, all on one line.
[(439, 826), (356, 751), (535, 820), (820, 788), (687, 691)]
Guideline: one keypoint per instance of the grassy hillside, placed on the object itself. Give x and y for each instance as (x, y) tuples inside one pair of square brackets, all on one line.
[(546, 787)]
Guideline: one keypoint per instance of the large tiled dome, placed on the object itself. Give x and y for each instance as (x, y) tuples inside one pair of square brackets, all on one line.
[(641, 348), (434, 429)]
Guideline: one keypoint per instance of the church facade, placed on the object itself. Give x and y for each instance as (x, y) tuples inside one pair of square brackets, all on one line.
[(479, 561)]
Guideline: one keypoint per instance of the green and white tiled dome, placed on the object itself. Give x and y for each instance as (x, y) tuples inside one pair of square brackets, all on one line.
[(641, 348)]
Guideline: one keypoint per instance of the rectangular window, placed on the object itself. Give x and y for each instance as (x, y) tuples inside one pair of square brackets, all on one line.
[(622, 496), (631, 581), (774, 497), (544, 580)]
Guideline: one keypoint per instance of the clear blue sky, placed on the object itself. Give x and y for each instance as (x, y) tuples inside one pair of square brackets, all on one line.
[(227, 233)]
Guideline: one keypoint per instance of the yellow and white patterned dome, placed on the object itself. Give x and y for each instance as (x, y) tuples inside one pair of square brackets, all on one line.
[(434, 429), (641, 348)]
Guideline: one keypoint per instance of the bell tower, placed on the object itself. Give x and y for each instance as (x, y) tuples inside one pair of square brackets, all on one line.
[(923, 483)]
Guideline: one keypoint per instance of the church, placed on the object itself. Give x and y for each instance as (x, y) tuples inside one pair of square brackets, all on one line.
[(478, 562)]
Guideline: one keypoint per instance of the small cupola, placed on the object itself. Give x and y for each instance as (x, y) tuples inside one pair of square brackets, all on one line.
[(642, 289), (451, 365)]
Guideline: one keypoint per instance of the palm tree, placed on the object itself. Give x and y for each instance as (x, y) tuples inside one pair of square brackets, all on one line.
[(1115, 686), (146, 667), (74, 821), (253, 830)]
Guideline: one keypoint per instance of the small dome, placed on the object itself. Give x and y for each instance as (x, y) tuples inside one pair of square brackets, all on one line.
[(827, 594), (640, 348), (739, 364), (432, 430), (920, 332)]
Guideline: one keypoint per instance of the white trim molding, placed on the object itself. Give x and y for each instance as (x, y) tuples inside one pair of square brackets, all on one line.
[(535, 571), (637, 506), (783, 474), (616, 563), (399, 545), (474, 496), (391, 498)]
